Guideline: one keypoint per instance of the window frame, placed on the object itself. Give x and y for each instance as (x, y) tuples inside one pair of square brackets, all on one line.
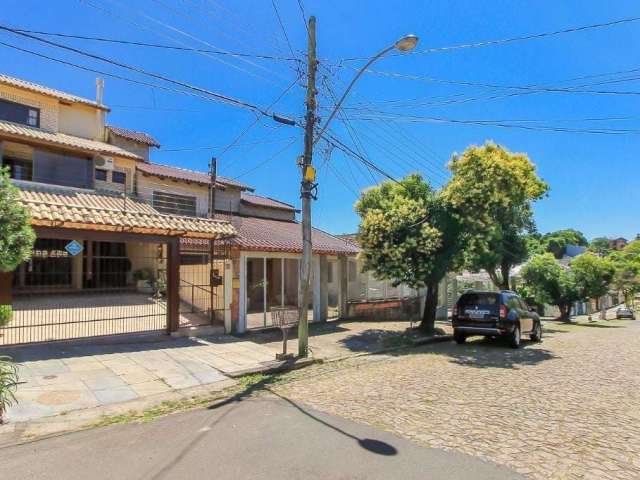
[(113, 177), (179, 205), (102, 171), (15, 111)]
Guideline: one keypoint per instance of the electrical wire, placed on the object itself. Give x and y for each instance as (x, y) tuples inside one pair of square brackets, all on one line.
[(157, 45), (264, 162), (284, 30), (217, 96), (504, 41)]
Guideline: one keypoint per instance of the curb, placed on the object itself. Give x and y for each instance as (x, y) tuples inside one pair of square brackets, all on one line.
[(426, 341), (274, 366)]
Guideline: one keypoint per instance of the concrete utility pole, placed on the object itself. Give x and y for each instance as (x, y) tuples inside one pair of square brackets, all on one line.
[(306, 191), (213, 167)]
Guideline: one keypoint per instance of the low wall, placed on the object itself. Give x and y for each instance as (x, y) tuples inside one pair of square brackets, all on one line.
[(401, 309)]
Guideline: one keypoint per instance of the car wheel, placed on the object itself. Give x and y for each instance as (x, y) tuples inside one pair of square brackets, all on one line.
[(514, 340), (536, 335), (459, 337)]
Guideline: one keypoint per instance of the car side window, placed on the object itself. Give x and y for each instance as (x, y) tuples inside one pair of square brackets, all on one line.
[(512, 302)]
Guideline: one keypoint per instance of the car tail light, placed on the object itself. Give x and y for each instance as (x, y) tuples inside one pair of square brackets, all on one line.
[(454, 311), (503, 311)]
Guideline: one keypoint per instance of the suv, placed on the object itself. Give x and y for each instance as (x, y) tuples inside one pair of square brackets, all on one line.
[(494, 314)]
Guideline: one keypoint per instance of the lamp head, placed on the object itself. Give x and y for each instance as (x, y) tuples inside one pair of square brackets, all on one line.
[(407, 43)]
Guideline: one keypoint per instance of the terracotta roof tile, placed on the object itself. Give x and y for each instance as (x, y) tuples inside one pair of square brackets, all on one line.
[(79, 208), (133, 135), (62, 139), (50, 92), (177, 173), (263, 234), (266, 202)]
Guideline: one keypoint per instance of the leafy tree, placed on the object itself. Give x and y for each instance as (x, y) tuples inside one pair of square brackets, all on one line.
[(627, 271), (16, 236), (492, 191), (547, 281), (600, 246), (557, 242), (409, 235), (593, 275)]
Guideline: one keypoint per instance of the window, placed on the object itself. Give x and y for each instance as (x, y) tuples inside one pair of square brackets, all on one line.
[(18, 113), (101, 175), (194, 258), (19, 168), (119, 177), (173, 203)]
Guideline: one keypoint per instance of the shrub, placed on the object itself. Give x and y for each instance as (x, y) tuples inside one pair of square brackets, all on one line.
[(5, 314), (8, 384)]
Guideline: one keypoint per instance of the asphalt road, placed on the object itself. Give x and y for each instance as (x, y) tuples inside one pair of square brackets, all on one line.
[(261, 438)]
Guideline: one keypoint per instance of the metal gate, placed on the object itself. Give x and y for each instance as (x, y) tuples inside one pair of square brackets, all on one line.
[(87, 289), (202, 293)]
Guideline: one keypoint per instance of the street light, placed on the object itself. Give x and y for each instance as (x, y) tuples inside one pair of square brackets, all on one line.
[(405, 44)]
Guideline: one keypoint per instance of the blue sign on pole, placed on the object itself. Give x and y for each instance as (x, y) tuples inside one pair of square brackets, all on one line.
[(74, 248)]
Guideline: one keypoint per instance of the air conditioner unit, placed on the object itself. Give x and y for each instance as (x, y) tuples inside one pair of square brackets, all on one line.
[(106, 163)]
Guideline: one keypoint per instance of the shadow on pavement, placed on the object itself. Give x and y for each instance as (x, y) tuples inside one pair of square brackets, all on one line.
[(484, 353)]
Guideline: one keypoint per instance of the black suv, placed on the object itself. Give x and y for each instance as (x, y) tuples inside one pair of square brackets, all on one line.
[(494, 314)]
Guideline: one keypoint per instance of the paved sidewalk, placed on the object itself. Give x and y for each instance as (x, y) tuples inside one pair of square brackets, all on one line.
[(59, 378)]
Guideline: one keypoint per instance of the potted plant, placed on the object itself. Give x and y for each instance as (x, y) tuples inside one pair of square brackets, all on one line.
[(143, 278), (8, 384)]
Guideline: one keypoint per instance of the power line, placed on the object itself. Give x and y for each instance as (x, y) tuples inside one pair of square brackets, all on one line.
[(157, 45), (519, 38), (216, 147), (218, 96), (284, 30), (501, 124), (264, 162)]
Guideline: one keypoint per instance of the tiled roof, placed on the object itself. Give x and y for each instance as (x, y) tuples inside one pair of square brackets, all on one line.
[(62, 139), (266, 202), (139, 137), (66, 207), (350, 237), (177, 173), (268, 235), (50, 92)]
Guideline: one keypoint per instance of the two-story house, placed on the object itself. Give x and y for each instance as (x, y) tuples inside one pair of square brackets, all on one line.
[(126, 245)]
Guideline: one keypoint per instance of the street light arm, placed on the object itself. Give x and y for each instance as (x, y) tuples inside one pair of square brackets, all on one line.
[(346, 92)]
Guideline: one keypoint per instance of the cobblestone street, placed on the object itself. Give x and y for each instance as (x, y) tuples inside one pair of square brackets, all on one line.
[(567, 408)]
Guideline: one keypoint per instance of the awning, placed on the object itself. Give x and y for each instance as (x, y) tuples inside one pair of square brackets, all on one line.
[(66, 207)]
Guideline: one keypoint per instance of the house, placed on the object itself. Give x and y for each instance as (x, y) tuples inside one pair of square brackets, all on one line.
[(618, 243), (125, 245)]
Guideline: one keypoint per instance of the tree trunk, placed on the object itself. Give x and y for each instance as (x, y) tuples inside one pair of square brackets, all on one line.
[(505, 269), (565, 310), (428, 324)]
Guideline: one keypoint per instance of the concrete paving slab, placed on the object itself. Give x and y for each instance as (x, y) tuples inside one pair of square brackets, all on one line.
[(115, 394)]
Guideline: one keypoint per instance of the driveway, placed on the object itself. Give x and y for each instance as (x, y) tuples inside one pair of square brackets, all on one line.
[(568, 408), (263, 438)]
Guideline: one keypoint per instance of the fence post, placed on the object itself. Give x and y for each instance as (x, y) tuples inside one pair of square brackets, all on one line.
[(173, 284), (344, 285)]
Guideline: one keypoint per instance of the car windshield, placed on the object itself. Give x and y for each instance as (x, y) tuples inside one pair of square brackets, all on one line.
[(471, 299)]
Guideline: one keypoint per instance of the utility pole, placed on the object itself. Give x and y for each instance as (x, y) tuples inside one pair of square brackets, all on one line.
[(213, 166), (306, 190)]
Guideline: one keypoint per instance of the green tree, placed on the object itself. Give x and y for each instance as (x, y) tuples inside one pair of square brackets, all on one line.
[(627, 271), (16, 235), (593, 275), (545, 280), (492, 191), (557, 242), (409, 235), (600, 246)]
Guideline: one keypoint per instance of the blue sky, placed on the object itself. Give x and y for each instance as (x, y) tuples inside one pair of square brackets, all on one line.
[(594, 178)]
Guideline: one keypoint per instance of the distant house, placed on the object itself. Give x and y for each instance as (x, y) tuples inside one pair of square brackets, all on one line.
[(618, 243)]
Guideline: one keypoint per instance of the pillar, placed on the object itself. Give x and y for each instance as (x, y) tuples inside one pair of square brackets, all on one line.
[(76, 271), (5, 288), (173, 284), (343, 264)]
